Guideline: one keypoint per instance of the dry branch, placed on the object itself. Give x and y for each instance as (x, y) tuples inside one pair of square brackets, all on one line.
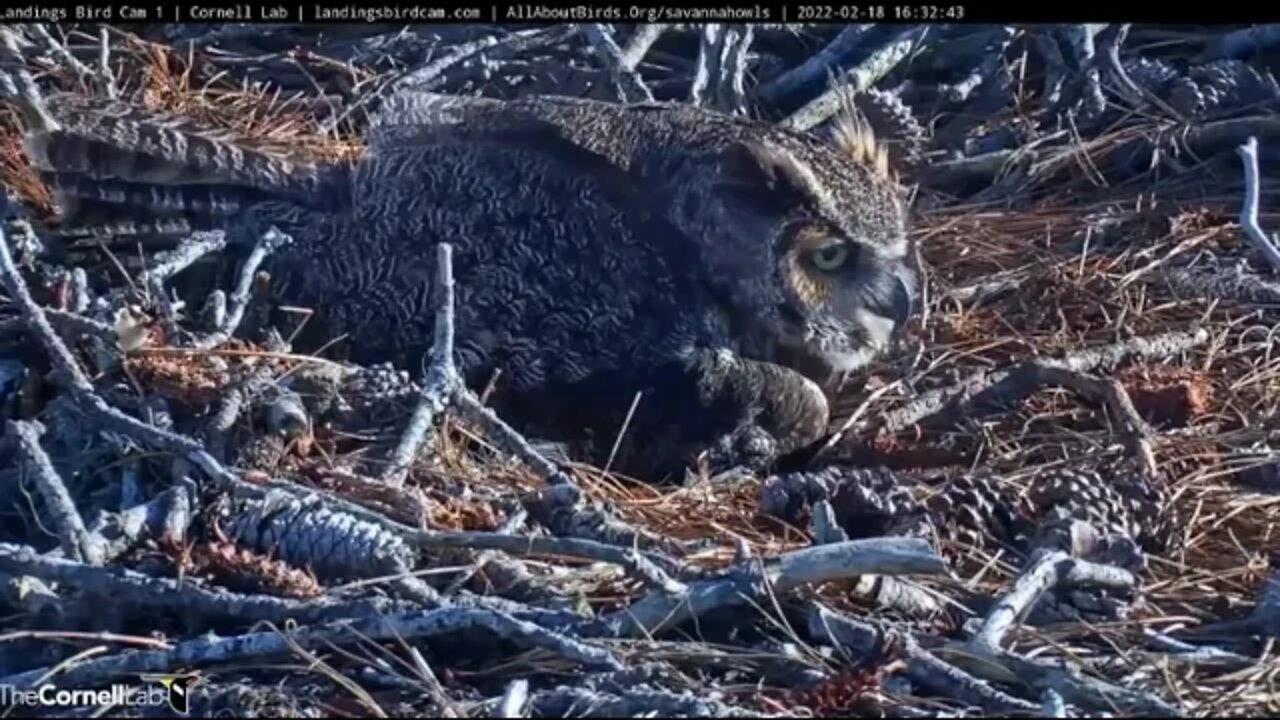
[(264, 645), (719, 77), (857, 79), (442, 381), (1005, 387), (630, 87), (430, 75), (1045, 573), (71, 322), (1249, 207), (75, 538), (816, 67), (190, 251), (638, 702), (641, 41), (142, 593), (100, 78), (240, 298), (514, 700), (934, 672), (824, 563)]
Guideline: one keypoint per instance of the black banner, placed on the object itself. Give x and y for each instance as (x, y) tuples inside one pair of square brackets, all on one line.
[(763, 11)]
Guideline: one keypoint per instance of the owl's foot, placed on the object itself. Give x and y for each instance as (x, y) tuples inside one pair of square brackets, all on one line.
[(748, 450), (771, 410), (712, 412)]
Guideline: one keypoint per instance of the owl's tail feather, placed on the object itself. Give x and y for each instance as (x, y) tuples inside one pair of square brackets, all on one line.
[(105, 139), (73, 190), (103, 209), (120, 169)]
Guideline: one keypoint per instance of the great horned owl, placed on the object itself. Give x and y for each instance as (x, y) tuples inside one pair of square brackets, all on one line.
[(701, 261), (807, 236)]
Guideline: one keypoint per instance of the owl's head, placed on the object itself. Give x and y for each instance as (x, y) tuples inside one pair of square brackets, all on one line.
[(814, 233)]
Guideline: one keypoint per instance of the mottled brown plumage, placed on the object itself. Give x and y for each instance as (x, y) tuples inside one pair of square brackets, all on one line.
[(600, 251), (758, 200)]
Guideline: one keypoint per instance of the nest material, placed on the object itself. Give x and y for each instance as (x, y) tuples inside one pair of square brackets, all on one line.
[(1029, 265)]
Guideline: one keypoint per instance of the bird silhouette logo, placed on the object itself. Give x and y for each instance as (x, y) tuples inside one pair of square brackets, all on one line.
[(179, 687)]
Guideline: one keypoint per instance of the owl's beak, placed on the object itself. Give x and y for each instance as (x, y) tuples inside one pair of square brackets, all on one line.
[(903, 301), (897, 302)]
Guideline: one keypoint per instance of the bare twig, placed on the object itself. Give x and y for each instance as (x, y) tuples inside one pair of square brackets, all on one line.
[(111, 419), (202, 651), (1043, 574), (1230, 284), (640, 42), (956, 175), (1200, 656), (18, 85), (143, 593), (566, 701), (515, 699), (824, 563), (1006, 386), (67, 321), (1081, 38), (631, 87), (524, 545), (234, 400), (857, 79), (961, 91), (243, 294), (429, 76), (168, 311), (442, 380), (1055, 68), (106, 77), (101, 81), (35, 316), (508, 439), (1052, 705), (844, 633), (188, 252), (1249, 207), (1076, 689), (932, 671), (722, 64), (826, 529), (166, 516), (76, 542), (816, 67), (900, 595), (562, 508)]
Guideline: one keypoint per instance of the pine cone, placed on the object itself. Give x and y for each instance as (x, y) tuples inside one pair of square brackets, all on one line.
[(893, 123), (305, 534), (1154, 76)]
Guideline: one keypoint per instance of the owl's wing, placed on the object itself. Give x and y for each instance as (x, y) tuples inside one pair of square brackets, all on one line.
[(410, 117), (511, 130), (413, 117)]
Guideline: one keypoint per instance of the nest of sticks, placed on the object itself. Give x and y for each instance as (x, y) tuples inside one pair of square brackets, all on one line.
[(1090, 212)]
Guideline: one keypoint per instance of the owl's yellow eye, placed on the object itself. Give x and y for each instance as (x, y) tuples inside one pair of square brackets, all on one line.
[(831, 257)]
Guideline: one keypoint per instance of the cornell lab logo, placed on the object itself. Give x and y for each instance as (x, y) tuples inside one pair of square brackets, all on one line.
[(179, 687)]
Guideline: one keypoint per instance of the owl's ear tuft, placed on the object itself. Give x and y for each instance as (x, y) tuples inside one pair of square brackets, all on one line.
[(852, 134)]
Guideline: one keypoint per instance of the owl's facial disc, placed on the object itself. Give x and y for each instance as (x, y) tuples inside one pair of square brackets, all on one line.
[(847, 300)]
